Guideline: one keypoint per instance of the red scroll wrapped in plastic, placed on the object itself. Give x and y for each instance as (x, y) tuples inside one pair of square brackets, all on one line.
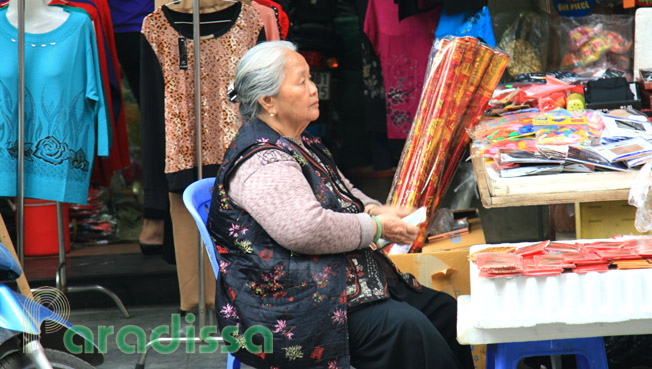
[(460, 80)]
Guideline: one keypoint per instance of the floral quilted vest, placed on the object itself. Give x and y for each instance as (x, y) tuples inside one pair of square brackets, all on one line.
[(302, 299)]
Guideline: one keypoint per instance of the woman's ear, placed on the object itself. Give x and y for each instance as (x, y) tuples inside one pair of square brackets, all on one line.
[(267, 103)]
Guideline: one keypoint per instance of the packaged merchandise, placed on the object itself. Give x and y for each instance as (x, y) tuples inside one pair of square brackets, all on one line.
[(591, 45), (462, 74), (547, 258), (499, 264), (526, 42)]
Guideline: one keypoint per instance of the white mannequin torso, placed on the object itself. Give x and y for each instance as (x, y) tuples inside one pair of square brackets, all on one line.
[(39, 18)]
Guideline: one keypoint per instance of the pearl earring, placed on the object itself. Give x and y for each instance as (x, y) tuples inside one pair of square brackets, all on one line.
[(272, 114)]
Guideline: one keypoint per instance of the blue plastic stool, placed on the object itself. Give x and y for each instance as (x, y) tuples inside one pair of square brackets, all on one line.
[(590, 353)]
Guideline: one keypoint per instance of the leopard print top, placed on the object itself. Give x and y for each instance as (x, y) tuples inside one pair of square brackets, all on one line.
[(219, 56)]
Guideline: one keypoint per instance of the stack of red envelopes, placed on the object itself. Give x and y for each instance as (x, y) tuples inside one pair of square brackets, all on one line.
[(644, 249), (533, 249), (545, 264), (548, 258), (558, 248), (493, 265), (586, 261)]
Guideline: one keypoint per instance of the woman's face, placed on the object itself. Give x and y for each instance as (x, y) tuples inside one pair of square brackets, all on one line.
[(297, 103)]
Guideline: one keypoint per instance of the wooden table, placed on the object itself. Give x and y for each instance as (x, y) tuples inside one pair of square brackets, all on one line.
[(550, 189)]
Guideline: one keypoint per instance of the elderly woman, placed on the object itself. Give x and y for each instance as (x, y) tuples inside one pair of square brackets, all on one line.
[(296, 241)]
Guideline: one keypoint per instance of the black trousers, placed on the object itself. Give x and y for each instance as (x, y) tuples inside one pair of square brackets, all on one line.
[(410, 330)]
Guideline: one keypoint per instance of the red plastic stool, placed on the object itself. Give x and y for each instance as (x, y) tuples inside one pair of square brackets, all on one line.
[(589, 352)]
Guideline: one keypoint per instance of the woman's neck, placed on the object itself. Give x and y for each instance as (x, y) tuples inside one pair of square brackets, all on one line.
[(280, 128)]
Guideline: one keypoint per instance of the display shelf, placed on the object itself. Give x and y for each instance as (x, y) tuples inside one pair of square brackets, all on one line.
[(550, 189)]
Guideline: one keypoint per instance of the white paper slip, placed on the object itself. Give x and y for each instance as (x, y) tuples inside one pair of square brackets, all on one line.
[(415, 218)]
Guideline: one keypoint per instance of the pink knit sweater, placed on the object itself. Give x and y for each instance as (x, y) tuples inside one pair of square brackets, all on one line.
[(271, 187)]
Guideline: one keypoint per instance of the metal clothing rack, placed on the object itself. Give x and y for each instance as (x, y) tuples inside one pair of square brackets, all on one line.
[(202, 300), (60, 276), (195, 41)]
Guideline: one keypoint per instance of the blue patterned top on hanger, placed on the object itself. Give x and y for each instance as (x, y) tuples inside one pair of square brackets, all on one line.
[(65, 110)]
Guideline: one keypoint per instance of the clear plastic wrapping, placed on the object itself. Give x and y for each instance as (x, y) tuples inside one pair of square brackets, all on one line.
[(641, 198), (534, 131), (526, 42), (592, 44), (461, 76)]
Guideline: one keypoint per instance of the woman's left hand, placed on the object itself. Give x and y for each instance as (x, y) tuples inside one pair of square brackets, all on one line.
[(395, 230)]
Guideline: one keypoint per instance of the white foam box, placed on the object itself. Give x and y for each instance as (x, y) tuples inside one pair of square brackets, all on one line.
[(642, 40), (570, 305)]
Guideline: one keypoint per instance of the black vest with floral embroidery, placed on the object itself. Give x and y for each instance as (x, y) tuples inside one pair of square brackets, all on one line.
[(302, 299)]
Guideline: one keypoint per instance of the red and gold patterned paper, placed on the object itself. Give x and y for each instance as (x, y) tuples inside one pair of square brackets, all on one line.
[(460, 80)]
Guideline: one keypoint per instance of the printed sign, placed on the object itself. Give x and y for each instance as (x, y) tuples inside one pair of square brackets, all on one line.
[(573, 8)]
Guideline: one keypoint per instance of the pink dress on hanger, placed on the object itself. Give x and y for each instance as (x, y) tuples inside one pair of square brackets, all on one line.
[(403, 48)]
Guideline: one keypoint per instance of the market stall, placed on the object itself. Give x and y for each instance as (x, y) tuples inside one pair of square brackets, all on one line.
[(570, 130)]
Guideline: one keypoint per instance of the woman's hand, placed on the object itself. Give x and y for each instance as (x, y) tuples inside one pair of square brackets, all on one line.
[(395, 230), (385, 209)]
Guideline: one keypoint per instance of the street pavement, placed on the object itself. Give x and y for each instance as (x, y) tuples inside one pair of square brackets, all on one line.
[(147, 318)]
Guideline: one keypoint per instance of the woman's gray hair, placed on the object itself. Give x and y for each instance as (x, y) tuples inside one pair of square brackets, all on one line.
[(260, 72)]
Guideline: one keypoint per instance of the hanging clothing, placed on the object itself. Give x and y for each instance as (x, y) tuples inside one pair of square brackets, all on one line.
[(100, 15), (168, 111), (119, 155), (110, 69), (152, 117), (64, 110), (120, 151), (281, 17), (220, 50), (270, 22), (403, 48), (127, 45), (408, 8), (128, 15)]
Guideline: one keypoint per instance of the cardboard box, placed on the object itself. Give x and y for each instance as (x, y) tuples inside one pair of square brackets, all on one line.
[(443, 270), (446, 271), (646, 93), (474, 237), (604, 219)]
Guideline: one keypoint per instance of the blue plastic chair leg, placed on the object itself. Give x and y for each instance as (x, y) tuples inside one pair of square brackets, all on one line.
[(232, 362), (589, 352), (583, 362), (491, 357)]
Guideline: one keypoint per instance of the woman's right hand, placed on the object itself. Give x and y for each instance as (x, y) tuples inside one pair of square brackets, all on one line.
[(395, 230)]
